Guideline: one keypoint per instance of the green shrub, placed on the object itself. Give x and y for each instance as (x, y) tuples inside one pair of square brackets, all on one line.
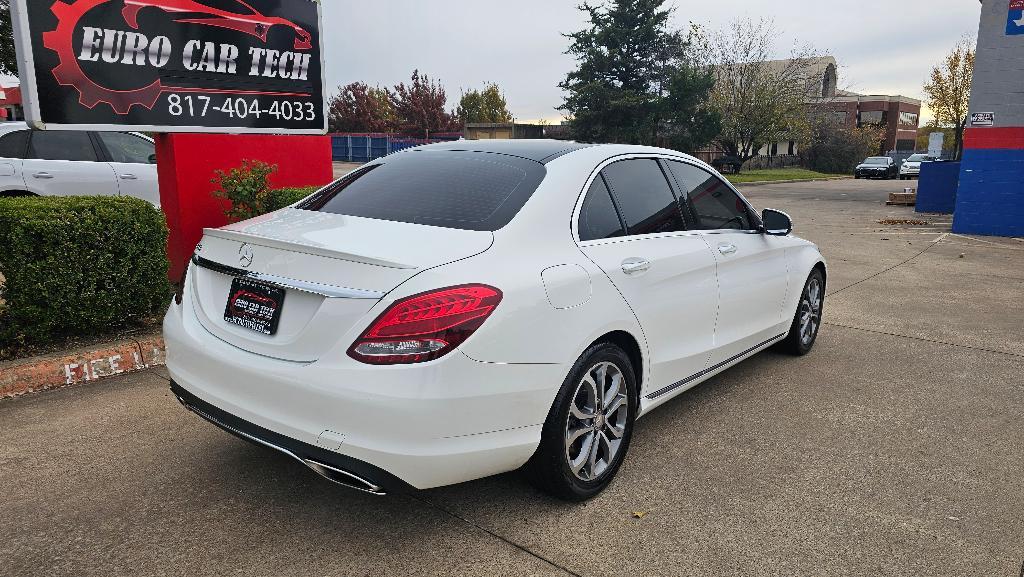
[(78, 266), (282, 197), (247, 187)]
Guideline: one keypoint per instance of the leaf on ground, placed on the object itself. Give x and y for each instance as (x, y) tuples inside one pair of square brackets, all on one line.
[(907, 221)]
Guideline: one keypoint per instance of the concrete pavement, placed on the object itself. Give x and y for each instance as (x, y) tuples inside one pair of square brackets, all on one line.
[(895, 448)]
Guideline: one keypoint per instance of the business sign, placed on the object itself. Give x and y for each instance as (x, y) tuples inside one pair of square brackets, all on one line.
[(936, 140), (983, 119), (1015, 21), (242, 66)]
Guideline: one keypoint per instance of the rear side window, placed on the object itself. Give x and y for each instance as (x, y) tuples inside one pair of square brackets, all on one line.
[(644, 196), (13, 145), (127, 148), (465, 190), (598, 217), (61, 145), (714, 204)]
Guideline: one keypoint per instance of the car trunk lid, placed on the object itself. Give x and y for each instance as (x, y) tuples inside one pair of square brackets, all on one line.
[(333, 269)]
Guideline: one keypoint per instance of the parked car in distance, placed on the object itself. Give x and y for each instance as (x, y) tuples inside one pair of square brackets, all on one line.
[(877, 167), (731, 164), (463, 309), (911, 167), (74, 163)]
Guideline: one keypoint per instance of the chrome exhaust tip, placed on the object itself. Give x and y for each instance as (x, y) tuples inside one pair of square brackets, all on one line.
[(342, 477)]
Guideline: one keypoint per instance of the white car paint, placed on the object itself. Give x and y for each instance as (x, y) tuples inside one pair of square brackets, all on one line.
[(912, 165), (63, 177), (693, 310)]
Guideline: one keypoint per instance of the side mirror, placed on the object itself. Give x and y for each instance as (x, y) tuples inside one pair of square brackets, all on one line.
[(152, 158), (776, 223)]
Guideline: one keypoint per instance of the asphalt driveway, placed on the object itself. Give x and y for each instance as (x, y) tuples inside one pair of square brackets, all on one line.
[(896, 448)]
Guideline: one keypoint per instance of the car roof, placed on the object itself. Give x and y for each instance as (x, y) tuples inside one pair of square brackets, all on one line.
[(6, 127), (539, 150), (14, 125)]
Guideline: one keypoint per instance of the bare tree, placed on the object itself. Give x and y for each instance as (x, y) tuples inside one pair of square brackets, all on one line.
[(949, 90), (760, 100)]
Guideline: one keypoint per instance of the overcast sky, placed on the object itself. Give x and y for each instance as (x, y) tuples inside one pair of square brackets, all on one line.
[(883, 46)]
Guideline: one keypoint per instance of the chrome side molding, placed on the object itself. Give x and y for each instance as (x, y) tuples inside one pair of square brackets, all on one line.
[(328, 291)]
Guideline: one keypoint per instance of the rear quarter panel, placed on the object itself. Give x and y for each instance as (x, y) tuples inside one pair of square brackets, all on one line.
[(12, 178)]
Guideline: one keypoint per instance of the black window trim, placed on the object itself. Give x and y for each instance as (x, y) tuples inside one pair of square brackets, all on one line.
[(618, 206), (755, 219), (597, 173), (688, 218), (615, 206), (101, 149)]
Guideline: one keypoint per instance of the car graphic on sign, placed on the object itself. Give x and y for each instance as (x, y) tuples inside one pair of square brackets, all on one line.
[(251, 21)]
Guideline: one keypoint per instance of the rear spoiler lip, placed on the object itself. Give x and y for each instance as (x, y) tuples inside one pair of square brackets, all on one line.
[(327, 291), (271, 242)]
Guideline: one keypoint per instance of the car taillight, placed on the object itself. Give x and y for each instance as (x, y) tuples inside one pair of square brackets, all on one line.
[(426, 326)]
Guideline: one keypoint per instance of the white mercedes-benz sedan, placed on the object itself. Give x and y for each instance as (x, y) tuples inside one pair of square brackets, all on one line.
[(464, 309)]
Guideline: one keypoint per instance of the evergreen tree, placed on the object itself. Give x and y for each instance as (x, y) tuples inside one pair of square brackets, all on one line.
[(637, 81)]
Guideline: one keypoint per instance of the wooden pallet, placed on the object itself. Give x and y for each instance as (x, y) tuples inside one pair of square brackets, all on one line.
[(902, 199)]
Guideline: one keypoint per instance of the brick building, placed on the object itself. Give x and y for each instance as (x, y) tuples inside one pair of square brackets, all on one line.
[(899, 116)]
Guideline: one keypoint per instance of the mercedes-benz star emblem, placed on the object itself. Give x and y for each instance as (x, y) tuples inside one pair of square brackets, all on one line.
[(245, 255)]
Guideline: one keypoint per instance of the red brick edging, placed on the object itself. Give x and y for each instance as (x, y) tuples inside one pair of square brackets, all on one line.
[(85, 365)]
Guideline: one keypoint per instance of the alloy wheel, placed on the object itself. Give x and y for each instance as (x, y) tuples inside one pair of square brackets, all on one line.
[(597, 421), (810, 311)]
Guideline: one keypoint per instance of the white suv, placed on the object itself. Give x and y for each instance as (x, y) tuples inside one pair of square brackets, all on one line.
[(66, 163)]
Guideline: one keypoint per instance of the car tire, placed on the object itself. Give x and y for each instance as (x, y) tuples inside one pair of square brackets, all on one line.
[(567, 464), (801, 337)]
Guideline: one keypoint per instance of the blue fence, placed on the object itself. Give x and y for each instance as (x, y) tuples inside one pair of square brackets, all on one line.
[(367, 147)]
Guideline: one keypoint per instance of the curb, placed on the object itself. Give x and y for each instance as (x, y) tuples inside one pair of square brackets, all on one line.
[(68, 368), (765, 182)]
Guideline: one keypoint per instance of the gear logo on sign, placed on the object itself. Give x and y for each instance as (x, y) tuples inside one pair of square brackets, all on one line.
[(69, 72)]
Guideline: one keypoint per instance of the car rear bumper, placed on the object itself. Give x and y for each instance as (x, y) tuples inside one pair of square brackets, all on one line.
[(329, 464), (428, 425)]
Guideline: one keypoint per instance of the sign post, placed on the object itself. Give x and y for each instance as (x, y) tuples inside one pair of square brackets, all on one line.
[(172, 66), (936, 141)]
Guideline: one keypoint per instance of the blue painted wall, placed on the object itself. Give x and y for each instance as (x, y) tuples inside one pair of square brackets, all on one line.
[(991, 196)]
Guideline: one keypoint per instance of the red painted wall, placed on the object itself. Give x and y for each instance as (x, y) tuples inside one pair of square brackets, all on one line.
[(186, 164)]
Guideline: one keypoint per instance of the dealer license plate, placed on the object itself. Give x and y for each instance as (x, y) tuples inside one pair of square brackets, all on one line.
[(254, 305)]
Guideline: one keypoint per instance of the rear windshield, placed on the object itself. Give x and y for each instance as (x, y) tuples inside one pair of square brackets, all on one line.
[(465, 190)]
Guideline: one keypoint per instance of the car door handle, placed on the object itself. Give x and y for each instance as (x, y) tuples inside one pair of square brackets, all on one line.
[(128, 177), (635, 265), (726, 248), (42, 175)]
